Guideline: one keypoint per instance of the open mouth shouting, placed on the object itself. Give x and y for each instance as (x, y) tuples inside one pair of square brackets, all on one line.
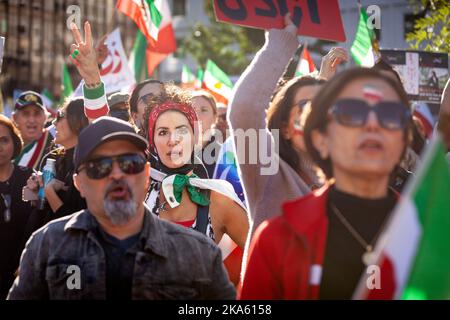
[(118, 190)]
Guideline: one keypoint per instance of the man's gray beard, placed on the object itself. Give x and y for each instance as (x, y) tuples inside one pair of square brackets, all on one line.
[(120, 212)]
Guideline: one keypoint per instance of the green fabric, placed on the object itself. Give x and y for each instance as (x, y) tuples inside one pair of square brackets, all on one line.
[(187, 76), (180, 182), (25, 149), (155, 15), (138, 57), (363, 40), (67, 87), (430, 274), (94, 93)]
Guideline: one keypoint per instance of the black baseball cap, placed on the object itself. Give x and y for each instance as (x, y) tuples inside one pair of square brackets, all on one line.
[(29, 98), (102, 130)]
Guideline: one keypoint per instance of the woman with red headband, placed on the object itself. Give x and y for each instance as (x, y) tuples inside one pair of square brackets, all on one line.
[(209, 206)]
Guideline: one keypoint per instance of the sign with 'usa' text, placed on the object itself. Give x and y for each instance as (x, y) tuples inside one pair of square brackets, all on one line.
[(314, 18)]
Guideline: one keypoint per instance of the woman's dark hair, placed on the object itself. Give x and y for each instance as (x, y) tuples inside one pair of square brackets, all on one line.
[(382, 65), (14, 133), (74, 113), (279, 111), (135, 94), (324, 99)]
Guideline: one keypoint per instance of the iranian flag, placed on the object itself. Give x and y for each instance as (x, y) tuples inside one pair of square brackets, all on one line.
[(166, 43), (305, 64), (217, 82), (362, 50), (145, 14), (160, 40), (413, 252), (188, 78)]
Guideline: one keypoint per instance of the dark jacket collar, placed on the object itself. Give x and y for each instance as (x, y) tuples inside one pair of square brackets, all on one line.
[(152, 231)]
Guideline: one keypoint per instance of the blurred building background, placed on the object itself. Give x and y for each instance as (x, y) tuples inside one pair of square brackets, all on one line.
[(38, 40)]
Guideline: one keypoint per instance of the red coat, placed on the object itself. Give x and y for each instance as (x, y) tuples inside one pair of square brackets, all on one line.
[(286, 253)]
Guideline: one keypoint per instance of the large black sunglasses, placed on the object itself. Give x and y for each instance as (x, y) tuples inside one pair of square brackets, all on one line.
[(353, 113), (100, 168)]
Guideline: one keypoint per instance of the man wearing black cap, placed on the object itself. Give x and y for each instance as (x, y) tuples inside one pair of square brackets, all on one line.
[(116, 249), (30, 116)]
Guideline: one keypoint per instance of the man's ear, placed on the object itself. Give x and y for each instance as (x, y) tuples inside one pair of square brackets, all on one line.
[(78, 184), (320, 143)]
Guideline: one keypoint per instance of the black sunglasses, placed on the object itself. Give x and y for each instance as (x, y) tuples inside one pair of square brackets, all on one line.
[(354, 112), (59, 116), (100, 168)]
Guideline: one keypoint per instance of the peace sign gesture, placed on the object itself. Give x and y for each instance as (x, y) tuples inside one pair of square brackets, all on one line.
[(83, 55)]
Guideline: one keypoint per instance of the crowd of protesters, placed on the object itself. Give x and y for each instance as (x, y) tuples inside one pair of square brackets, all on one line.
[(137, 203)]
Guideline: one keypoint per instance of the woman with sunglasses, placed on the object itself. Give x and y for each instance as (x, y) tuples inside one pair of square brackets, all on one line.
[(14, 212), (322, 245), (176, 194), (277, 129), (62, 196)]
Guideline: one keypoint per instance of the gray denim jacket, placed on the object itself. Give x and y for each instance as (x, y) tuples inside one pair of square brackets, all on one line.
[(172, 262)]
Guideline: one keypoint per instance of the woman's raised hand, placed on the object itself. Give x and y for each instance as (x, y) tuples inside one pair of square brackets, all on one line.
[(84, 56), (330, 62)]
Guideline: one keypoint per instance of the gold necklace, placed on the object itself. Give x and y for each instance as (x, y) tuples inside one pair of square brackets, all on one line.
[(368, 257)]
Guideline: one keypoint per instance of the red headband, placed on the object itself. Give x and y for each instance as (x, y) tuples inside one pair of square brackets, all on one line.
[(187, 110)]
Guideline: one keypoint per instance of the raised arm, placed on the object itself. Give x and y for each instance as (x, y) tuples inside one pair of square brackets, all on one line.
[(252, 97), (83, 55)]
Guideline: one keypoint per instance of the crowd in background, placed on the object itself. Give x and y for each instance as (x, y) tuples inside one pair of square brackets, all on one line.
[(135, 201)]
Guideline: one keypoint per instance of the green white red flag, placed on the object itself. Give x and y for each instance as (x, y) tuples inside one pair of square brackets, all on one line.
[(412, 252), (217, 82)]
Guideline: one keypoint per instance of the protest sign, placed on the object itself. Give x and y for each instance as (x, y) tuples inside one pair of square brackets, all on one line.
[(314, 18), (423, 74)]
